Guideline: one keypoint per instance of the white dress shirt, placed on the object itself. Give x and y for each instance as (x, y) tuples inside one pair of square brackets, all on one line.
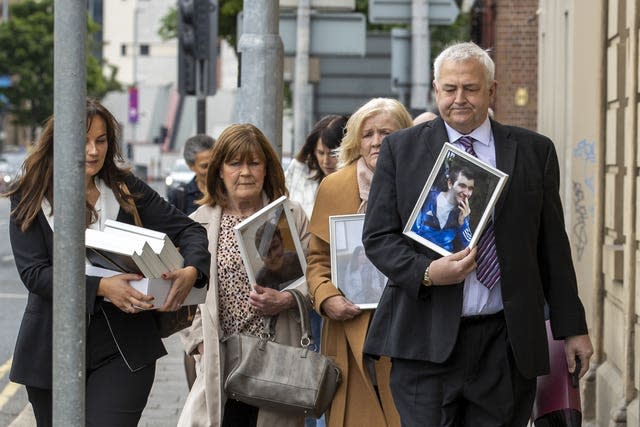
[(478, 299)]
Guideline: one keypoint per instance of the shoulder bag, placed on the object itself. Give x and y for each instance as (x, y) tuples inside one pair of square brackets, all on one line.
[(266, 374)]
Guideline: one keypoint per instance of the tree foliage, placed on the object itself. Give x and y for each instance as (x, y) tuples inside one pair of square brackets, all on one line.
[(227, 27), (169, 24), (27, 57)]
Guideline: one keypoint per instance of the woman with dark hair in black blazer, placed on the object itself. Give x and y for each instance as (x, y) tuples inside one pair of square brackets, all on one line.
[(123, 341)]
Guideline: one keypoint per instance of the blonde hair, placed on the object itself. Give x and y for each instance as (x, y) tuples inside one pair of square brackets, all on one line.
[(349, 150)]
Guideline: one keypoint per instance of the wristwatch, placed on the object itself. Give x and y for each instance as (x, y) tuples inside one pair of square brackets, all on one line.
[(426, 280)]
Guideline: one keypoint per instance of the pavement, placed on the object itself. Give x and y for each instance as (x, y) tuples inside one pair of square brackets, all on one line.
[(167, 397)]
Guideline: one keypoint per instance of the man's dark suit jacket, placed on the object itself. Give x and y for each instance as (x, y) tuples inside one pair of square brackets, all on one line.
[(136, 335), (421, 323)]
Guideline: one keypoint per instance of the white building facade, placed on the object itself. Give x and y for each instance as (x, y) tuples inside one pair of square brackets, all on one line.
[(132, 43)]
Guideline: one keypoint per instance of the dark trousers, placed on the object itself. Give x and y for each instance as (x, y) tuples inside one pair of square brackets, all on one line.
[(479, 385), (239, 414), (114, 395)]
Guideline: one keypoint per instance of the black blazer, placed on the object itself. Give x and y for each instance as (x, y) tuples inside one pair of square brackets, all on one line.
[(420, 323), (136, 335)]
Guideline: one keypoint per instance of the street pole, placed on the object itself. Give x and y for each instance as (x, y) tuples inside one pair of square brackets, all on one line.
[(261, 82), (401, 64), (302, 88), (202, 86), (5, 11), (421, 53), (69, 295)]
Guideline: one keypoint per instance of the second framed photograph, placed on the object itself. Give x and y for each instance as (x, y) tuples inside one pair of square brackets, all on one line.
[(270, 247), (456, 202), (351, 271)]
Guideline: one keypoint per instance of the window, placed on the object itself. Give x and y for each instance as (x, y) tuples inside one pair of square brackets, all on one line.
[(123, 49), (144, 49)]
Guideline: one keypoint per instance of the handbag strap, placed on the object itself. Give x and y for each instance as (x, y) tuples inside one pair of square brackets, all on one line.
[(306, 339)]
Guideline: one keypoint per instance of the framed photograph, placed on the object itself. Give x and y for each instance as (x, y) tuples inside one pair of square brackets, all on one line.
[(271, 248), (456, 202), (351, 271)]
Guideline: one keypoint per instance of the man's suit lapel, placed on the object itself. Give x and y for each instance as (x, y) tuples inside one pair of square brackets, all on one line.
[(505, 158), (436, 137)]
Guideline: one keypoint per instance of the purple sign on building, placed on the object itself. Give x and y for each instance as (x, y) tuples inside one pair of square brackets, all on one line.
[(133, 105)]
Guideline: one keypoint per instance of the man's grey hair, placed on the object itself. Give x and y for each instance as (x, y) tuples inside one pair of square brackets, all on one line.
[(465, 51), (196, 144)]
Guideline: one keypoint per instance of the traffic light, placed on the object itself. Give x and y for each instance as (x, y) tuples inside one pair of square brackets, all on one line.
[(197, 46)]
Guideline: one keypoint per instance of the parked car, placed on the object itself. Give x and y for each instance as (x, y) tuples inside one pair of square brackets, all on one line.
[(10, 166), (180, 174)]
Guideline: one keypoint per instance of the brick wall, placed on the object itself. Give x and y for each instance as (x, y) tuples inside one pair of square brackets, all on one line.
[(515, 52)]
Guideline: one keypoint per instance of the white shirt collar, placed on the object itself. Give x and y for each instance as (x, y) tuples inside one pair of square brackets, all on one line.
[(482, 133), (107, 205)]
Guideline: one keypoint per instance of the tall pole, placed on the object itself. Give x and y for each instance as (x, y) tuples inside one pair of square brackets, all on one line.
[(202, 88), (5, 11), (261, 83), (70, 127), (420, 54), (302, 88)]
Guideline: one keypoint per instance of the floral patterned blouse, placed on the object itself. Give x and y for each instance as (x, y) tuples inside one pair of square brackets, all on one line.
[(236, 314)]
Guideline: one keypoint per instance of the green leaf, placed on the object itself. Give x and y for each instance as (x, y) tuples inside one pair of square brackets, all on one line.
[(27, 56)]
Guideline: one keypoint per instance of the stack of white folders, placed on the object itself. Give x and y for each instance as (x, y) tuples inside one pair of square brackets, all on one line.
[(158, 288), (125, 248), (131, 249)]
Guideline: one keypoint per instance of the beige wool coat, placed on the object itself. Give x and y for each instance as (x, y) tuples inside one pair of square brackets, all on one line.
[(356, 403), (205, 403)]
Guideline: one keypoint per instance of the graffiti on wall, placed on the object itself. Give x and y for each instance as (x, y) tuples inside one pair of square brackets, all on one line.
[(584, 153), (580, 220)]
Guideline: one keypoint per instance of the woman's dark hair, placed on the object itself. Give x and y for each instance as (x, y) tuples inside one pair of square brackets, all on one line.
[(36, 180), (330, 130)]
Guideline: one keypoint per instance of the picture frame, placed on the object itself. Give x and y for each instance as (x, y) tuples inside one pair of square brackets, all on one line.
[(270, 247), (446, 199), (351, 271)]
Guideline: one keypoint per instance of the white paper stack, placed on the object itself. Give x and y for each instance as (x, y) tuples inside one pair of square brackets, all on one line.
[(158, 288), (127, 248)]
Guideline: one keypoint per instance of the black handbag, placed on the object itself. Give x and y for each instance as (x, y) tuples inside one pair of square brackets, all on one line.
[(170, 322), (266, 374)]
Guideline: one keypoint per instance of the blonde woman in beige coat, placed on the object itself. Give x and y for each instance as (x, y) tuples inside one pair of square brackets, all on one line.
[(360, 400), (244, 175)]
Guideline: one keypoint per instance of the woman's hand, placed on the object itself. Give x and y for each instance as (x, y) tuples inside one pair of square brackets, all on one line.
[(270, 302), (121, 294), (338, 307), (182, 280)]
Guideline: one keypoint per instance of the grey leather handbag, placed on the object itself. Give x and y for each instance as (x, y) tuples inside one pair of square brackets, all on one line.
[(266, 374)]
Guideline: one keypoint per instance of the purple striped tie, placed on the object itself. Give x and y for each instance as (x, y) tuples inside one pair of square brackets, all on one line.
[(488, 269)]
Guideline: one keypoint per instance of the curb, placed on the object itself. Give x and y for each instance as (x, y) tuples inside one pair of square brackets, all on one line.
[(25, 419)]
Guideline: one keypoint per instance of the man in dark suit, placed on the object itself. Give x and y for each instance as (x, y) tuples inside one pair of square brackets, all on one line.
[(466, 332)]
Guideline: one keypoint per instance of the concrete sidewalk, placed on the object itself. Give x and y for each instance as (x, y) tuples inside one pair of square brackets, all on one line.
[(167, 397)]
